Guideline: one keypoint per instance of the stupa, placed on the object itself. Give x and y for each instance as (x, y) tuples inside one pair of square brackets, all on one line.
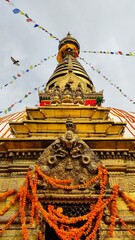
[(67, 166)]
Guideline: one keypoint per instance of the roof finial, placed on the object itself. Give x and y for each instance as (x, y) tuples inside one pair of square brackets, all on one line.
[(69, 34)]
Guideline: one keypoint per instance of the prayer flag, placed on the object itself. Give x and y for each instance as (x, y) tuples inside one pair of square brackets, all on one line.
[(26, 15), (22, 13), (119, 52), (131, 54), (16, 10), (29, 20), (36, 25)]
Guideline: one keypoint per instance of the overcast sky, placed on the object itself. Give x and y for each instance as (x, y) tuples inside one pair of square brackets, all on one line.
[(107, 25)]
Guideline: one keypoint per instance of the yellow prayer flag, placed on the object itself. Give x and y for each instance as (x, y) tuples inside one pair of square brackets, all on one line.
[(131, 54), (22, 13)]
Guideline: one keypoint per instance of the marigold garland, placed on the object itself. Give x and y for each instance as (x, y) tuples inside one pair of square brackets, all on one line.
[(9, 222), (61, 183), (23, 196), (40, 235), (7, 194), (63, 225), (113, 210), (125, 225), (8, 206)]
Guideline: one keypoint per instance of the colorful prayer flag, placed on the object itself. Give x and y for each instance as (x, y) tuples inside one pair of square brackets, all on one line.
[(16, 10)]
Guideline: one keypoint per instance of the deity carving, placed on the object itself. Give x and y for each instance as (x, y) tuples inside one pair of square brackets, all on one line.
[(67, 95), (70, 125), (56, 95), (78, 98), (79, 91), (69, 157)]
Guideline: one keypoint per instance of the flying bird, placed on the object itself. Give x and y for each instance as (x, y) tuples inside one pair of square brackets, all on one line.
[(16, 62)]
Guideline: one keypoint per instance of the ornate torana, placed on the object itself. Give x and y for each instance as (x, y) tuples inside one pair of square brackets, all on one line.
[(69, 157)]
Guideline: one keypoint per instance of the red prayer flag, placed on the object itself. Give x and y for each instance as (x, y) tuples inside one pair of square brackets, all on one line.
[(119, 52), (29, 20)]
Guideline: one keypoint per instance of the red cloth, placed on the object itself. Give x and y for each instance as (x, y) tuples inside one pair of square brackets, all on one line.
[(91, 102), (45, 102)]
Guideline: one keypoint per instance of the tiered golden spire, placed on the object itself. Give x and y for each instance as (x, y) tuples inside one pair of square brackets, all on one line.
[(69, 70), (70, 82)]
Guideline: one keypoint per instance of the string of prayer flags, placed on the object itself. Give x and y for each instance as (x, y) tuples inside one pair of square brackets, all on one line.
[(30, 20), (112, 53), (20, 101), (25, 71), (113, 84)]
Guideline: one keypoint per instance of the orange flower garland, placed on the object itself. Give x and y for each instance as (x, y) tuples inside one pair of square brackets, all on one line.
[(7, 194), (61, 183), (129, 201), (23, 194), (8, 206), (94, 232), (40, 235), (64, 225), (113, 210), (33, 185), (125, 225), (9, 222)]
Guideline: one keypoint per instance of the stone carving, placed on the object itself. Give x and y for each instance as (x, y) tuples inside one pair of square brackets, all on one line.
[(69, 157)]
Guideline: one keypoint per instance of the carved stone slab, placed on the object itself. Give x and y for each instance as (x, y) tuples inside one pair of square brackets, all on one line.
[(69, 157)]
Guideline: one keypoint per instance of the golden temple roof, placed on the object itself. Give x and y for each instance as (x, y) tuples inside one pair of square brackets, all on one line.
[(35, 114)]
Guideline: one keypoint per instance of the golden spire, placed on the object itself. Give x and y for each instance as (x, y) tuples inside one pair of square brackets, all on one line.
[(69, 70), (70, 82)]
